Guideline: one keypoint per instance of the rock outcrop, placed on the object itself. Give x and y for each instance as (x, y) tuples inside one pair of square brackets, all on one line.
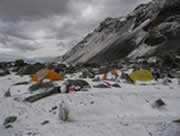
[(151, 29)]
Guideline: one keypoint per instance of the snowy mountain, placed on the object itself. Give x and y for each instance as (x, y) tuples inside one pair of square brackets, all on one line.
[(151, 29)]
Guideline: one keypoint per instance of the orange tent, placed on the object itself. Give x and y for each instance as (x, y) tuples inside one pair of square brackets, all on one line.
[(113, 72), (46, 74)]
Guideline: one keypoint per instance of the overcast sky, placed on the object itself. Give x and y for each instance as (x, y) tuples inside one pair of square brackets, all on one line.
[(47, 28)]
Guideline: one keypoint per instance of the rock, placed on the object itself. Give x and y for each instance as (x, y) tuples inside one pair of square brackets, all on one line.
[(81, 83), (54, 108), (45, 122), (10, 119), (60, 68), (70, 70), (21, 83), (84, 89), (5, 65), (177, 121), (4, 72), (158, 103), (8, 93), (42, 95), (166, 81), (8, 126), (87, 73), (91, 65), (41, 85), (19, 63), (101, 86), (116, 85), (30, 69), (96, 79), (153, 27), (174, 74), (102, 70), (170, 75)]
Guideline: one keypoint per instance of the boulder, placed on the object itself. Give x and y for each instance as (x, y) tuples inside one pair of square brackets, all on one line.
[(60, 68), (19, 63), (81, 83), (30, 69), (4, 72), (87, 73), (41, 85)]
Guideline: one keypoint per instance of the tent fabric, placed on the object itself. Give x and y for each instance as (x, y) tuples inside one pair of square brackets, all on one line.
[(46, 74), (141, 75), (113, 72), (41, 74)]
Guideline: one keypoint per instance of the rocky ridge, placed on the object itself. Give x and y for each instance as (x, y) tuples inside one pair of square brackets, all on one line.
[(152, 29)]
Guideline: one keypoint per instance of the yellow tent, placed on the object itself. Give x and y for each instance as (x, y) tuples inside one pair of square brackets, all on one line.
[(141, 75), (46, 74)]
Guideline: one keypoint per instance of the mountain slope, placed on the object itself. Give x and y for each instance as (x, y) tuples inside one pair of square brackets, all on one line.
[(152, 28)]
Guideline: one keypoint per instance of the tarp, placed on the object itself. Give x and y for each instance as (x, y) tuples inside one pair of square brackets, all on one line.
[(141, 75), (46, 74)]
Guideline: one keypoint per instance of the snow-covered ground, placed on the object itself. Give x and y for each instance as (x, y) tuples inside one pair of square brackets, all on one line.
[(125, 111)]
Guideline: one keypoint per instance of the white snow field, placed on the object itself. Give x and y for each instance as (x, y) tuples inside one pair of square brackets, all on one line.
[(125, 111)]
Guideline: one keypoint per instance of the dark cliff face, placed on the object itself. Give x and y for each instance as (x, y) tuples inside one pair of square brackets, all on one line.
[(155, 27)]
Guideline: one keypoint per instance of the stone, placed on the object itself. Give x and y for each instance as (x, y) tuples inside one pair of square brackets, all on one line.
[(70, 70), (87, 73), (45, 122), (4, 72), (60, 68), (41, 85), (8, 126), (54, 108), (19, 63), (30, 69), (21, 83), (7, 93), (84, 89), (101, 86), (116, 85), (158, 103), (81, 83), (10, 119), (96, 79), (177, 121), (166, 81)]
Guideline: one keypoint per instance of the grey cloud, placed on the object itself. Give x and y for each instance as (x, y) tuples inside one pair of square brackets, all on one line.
[(16, 9), (22, 21), (23, 47), (17, 44)]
